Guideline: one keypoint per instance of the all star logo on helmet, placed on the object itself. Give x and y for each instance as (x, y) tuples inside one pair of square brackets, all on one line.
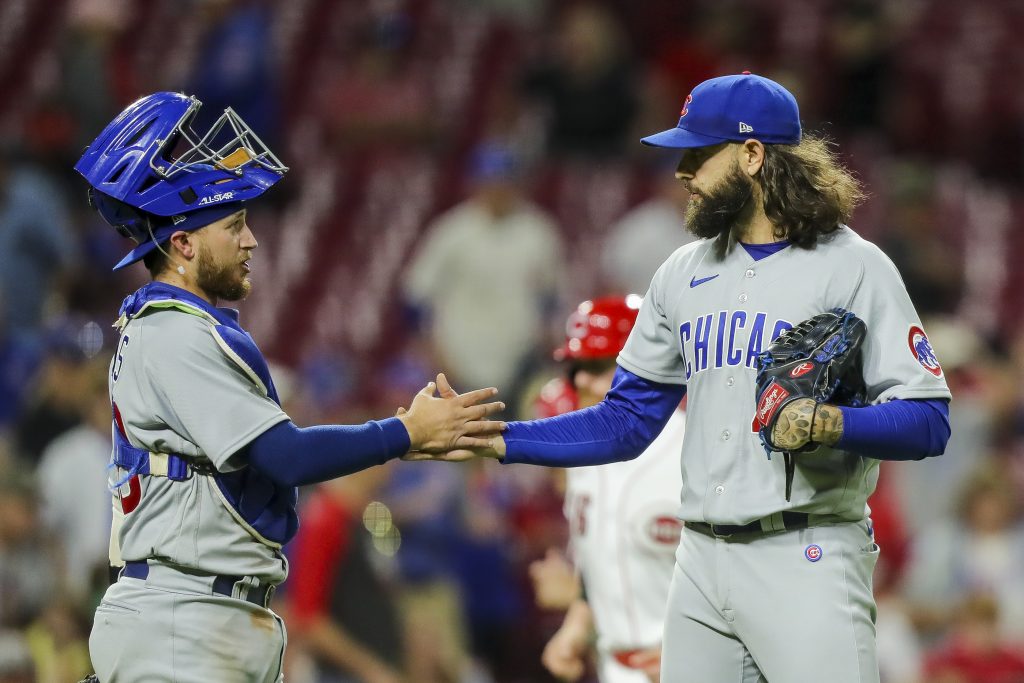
[(219, 197)]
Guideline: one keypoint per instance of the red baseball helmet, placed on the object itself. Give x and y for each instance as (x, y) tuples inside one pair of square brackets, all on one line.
[(599, 328)]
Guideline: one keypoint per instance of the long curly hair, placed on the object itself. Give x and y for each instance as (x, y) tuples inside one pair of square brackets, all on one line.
[(807, 191)]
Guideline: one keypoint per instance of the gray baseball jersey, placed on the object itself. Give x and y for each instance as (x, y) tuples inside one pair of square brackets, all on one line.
[(178, 390), (703, 322)]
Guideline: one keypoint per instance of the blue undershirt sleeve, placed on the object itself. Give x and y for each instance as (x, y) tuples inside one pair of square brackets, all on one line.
[(909, 429), (618, 428), (294, 456)]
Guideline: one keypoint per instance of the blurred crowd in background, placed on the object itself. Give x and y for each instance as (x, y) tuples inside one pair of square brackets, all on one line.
[(463, 173)]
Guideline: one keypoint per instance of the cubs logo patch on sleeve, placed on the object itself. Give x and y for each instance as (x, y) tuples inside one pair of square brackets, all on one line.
[(922, 350)]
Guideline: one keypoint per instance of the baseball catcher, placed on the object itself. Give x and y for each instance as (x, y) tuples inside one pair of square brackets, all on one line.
[(816, 362)]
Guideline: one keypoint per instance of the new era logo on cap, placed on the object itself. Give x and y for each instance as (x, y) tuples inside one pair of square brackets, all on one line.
[(734, 108)]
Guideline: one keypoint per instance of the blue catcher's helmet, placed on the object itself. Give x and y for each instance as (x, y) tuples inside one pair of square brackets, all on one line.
[(152, 175)]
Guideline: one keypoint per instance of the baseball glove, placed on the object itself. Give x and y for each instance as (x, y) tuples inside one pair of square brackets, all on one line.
[(819, 359)]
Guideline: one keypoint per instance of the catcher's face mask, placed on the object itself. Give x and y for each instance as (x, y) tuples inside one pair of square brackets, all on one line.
[(149, 162)]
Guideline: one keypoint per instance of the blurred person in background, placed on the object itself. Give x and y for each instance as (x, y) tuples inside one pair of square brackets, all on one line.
[(585, 85), (980, 550), (20, 357), (860, 36), (235, 64), (975, 651), (63, 378), (377, 94), (426, 501), (74, 500), (487, 275), (15, 658), (37, 245), (492, 551), (642, 239), (58, 641), (622, 520), (27, 573), (899, 646), (931, 270), (88, 81), (343, 610)]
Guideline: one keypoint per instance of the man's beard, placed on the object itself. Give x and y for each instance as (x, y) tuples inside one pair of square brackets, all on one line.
[(221, 282), (721, 212)]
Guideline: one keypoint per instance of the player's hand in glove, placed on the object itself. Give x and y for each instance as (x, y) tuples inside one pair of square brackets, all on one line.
[(565, 654), (804, 422), (809, 366), (452, 421)]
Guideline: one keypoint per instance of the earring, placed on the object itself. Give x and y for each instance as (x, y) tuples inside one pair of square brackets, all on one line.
[(181, 270)]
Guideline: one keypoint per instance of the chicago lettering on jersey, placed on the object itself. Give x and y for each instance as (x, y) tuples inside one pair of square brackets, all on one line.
[(726, 338)]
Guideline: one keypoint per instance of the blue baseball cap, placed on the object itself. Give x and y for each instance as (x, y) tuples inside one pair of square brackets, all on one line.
[(733, 108)]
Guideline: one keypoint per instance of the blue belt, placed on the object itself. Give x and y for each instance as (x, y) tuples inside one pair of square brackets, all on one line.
[(259, 595)]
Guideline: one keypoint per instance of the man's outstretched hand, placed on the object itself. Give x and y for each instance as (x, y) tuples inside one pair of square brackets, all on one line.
[(452, 426)]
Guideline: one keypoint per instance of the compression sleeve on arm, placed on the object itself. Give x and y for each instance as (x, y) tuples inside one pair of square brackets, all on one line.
[(618, 428), (294, 456), (909, 429)]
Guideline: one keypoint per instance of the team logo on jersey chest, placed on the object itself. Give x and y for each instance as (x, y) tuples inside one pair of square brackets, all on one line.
[(922, 350), (726, 339)]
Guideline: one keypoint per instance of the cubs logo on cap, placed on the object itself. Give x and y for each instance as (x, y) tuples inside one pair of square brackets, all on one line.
[(922, 350), (733, 108)]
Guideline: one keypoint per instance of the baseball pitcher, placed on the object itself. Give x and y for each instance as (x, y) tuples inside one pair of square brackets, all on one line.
[(773, 574)]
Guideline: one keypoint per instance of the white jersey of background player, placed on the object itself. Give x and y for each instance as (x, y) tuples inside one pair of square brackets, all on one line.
[(622, 516), (768, 586)]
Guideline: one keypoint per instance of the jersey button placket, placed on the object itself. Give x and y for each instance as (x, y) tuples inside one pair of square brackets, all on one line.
[(749, 274), (730, 382), (726, 434), (719, 489), (742, 297)]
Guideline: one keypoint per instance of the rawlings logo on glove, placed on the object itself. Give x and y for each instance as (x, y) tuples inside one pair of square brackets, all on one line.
[(819, 359)]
